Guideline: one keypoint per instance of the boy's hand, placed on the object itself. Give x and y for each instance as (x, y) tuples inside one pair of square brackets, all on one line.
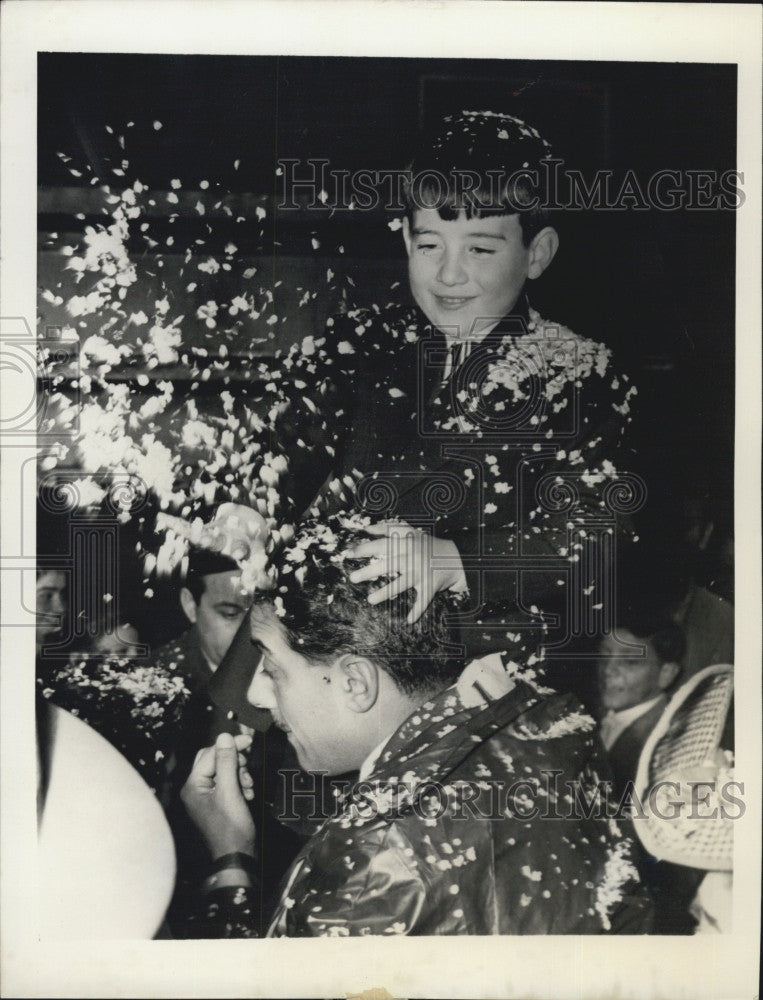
[(413, 558), (214, 799)]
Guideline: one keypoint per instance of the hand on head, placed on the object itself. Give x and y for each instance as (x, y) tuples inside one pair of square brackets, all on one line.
[(412, 558), (215, 796)]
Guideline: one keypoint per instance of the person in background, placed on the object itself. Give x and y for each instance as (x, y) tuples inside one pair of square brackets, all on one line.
[(123, 641), (640, 664), (216, 604), (51, 605)]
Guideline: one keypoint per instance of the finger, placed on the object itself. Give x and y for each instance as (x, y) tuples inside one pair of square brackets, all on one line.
[(242, 741), (388, 555), (204, 764), (226, 764), (368, 550), (384, 527), (374, 569), (247, 784), (390, 590)]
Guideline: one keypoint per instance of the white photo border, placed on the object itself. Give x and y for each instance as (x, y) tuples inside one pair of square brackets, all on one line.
[(426, 967)]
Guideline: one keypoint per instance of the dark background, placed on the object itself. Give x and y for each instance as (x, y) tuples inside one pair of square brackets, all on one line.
[(656, 286)]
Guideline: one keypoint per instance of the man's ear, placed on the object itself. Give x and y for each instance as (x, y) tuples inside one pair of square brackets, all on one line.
[(188, 605), (543, 249), (668, 673), (407, 235), (359, 681)]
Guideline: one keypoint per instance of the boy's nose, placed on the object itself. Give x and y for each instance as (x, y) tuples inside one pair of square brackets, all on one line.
[(452, 271), (260, 692)]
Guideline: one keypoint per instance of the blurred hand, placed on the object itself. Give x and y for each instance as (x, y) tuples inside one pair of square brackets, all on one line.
[(413, 558), (214, 796)]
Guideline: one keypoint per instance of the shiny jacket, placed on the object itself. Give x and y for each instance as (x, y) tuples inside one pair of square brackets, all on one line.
[(472, 821)]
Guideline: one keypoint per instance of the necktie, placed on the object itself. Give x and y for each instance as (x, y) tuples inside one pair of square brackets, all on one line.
[(453, 360)]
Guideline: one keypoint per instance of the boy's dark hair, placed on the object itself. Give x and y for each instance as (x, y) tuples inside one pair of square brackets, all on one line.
[(485, 164), (324, 614), (202, 563)]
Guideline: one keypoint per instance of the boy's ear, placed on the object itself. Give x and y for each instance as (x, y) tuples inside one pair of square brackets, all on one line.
[(359, 682), (542, 248), (668, 673), (407, 235), (188, 605)]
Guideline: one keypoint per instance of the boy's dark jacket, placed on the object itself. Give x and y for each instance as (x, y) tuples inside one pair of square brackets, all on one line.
[(440, 838), (518, 457)]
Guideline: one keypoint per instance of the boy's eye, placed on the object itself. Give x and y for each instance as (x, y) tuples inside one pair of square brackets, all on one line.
[(481, 251), (426, 246)]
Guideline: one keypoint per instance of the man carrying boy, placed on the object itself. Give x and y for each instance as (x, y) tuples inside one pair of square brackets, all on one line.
[(485, 440), (453, 827)]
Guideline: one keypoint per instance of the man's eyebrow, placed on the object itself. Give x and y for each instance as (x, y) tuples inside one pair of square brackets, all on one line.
[(231, 604)]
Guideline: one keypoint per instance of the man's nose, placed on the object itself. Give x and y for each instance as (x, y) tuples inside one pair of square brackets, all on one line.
[(452, 271), (260, 692), (611, 670), (57, 604)]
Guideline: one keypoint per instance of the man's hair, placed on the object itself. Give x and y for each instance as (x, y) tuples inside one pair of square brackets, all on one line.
[(325, 615), (203, 563), (484, 164), (666, 636)]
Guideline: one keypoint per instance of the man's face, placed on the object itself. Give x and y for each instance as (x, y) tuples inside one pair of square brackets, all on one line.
[(219, 613), (303, 698), (627, 680), (465, 274), (51, 604)]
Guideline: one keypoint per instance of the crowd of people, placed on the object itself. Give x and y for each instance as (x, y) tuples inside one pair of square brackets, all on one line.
[(370, 745)]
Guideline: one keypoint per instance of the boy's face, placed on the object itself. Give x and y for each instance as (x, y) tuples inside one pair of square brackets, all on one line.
[(627, 679), (466, 274)]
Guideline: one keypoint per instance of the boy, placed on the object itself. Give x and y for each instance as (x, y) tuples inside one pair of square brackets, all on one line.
[(492, 434)]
